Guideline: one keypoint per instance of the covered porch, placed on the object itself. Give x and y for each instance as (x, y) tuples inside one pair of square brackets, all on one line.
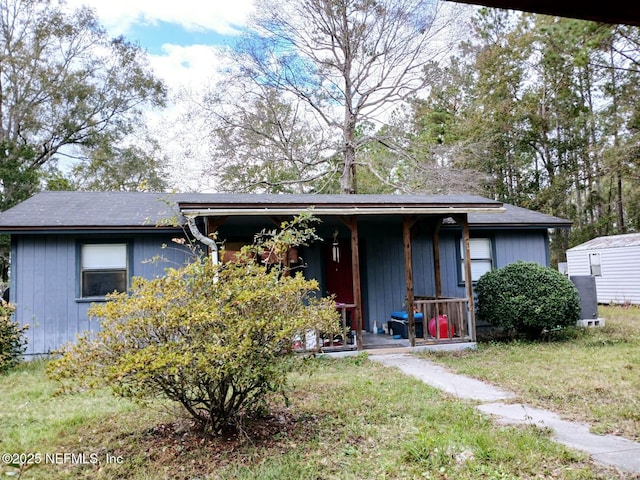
[(403, 221)]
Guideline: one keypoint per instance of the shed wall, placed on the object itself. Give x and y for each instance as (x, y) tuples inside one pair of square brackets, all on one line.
[(620, 267)]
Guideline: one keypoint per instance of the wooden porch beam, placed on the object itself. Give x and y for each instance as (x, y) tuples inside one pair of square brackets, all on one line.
[(407, 223), (436, 258), (463, 221), (352, 223)]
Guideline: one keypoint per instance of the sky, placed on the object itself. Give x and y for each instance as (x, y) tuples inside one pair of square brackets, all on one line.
[(183, 39)]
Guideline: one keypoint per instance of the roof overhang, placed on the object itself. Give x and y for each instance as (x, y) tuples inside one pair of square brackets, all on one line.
[(335, 205), (337, 211), (85, 229)]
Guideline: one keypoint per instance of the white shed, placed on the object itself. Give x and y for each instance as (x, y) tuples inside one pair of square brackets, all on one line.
[(614, 261)]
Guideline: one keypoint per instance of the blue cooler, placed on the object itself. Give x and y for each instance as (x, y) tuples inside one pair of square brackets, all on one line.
[(399, 324)]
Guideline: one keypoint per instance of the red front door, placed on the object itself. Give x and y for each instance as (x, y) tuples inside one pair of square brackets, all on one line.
[(339, 274)]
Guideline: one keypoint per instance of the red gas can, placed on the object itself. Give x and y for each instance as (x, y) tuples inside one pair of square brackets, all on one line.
[(446, 330)]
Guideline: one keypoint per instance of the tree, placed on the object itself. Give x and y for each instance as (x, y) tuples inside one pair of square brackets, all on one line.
[(216, 339), (546, 108), (63, 84), (131, 168), (348, 60), (266, 144)]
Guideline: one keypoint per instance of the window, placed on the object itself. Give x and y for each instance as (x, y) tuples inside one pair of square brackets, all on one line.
[(481, 257), (103, 269), (594, 264)]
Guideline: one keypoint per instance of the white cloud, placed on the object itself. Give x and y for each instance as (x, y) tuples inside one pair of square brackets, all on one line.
[(186, 66), (196, 15)]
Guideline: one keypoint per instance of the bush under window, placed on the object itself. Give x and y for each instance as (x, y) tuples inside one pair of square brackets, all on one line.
[(527, 298)]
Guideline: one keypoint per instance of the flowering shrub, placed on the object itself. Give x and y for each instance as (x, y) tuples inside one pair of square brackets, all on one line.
[(213, 338)]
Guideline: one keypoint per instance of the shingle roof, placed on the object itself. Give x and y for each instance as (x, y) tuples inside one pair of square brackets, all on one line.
[(517, 216), (88, 210), (134, 210), (611, 241)]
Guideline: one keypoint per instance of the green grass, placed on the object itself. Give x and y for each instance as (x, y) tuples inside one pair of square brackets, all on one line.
[(347, 419), (591, 375)]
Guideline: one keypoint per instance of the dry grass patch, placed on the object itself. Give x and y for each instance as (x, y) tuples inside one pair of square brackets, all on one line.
[(590, 375)]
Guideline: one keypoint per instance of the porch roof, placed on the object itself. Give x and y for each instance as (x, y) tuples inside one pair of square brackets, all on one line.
[(253, 204)]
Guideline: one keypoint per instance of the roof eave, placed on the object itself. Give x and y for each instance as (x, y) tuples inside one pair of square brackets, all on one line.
[(520, 225), (340, 210), (51, 229)]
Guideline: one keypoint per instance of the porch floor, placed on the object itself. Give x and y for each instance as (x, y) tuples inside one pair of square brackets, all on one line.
[(372, 341)]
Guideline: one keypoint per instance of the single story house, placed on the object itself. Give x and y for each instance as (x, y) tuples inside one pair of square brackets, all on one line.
[(379, 253), (614, 262)]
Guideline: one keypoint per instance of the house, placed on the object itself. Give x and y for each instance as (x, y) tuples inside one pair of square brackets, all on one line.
[(614, 262), (379, 253)]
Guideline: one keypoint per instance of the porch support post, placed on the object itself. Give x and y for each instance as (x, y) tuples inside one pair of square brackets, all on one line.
[(462, 220), (436, 258), (407, 224), (352, 223)]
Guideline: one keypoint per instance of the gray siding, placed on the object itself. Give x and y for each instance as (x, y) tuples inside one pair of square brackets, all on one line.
[(620, 268), (44, 283)]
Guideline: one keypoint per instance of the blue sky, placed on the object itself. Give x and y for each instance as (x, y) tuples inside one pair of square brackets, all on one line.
[(182, 37), (154, 37)]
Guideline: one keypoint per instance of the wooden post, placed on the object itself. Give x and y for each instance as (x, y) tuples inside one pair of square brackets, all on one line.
[(407, 224), (468, 281), (352, 223), (436, 259)]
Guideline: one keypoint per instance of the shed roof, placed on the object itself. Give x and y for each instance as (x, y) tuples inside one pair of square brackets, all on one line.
[(63, 211), (611, 241)]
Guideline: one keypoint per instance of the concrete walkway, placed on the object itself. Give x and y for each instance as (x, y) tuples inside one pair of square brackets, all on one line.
[(608, 450)]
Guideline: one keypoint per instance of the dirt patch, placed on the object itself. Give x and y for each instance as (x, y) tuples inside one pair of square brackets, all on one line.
[(181, 451)]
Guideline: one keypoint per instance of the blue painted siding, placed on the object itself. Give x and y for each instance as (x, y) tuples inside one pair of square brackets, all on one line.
[(529, 246), (384, 279), (44, 270), (44, 282), (508, 245)]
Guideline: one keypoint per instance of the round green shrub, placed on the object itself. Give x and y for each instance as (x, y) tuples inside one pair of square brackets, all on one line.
[(528, 298)]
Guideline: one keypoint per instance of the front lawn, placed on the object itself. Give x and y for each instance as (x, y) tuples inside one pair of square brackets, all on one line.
[(347, 419)]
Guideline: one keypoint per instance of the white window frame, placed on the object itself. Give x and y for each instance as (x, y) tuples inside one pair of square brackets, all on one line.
[(595, 264), (481, 249), (103, 258)]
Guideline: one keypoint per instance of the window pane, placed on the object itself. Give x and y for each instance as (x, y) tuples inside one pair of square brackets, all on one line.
[(479, 248), (479, 268), (101, 256), (594, 264), (97, 283)]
